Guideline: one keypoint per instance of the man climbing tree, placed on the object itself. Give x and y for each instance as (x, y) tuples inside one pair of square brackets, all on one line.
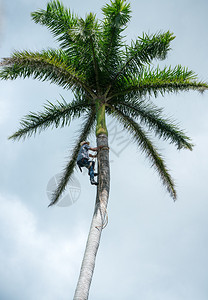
[(83, 160)]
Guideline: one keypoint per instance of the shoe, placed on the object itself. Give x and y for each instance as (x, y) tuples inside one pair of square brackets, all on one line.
[(93, 182)]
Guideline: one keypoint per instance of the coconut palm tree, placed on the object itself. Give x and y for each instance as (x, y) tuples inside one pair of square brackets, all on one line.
[(106, 76)]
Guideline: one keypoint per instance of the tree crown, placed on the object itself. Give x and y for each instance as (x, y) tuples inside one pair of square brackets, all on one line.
[(105, 76)]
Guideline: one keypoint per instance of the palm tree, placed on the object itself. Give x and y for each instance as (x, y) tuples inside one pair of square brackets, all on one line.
[(109, 77)]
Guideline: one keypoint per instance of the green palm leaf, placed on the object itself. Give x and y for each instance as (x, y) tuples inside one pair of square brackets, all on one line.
[(144, 50), (76, 36), (152, 82), (58, 19), (151, 116), (85, 38), (48, 65), (146, 146), (116, 16), (54, 115)]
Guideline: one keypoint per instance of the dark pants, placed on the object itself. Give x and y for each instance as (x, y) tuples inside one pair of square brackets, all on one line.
[(84, 162)]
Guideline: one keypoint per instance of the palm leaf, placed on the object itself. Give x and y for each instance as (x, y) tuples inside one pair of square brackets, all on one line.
[(146, 146), (85, 48), (77, 36), (50, 65), (56, 115), (144, 50), (116, 16), (151, 116), (152, 82), (59, 20)]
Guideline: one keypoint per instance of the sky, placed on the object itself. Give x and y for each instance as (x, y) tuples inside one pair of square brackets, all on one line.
[(152, 248)]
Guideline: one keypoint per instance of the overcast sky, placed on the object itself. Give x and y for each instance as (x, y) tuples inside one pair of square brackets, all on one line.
[(152, 248)]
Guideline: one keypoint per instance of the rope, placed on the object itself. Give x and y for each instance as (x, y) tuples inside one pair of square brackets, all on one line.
[(104, 148)]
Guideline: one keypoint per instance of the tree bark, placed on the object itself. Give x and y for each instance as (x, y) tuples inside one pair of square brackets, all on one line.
[(98, 221)]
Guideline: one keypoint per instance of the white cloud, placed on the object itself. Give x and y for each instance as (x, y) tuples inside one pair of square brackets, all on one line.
[(35, 264)]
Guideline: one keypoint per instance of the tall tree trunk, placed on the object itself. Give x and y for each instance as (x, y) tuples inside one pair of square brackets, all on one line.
[(88, 263)]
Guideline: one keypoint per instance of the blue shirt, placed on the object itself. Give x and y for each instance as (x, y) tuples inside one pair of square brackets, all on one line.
[(83, 152)]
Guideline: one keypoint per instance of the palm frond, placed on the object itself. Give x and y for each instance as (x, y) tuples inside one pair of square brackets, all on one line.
[(85, 48), (76, 35), (116, 16), (50, 65), (144, 50), (151, 116), (69, 169), (146, 146), (152, 82), (55, 115), (59, 20)]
